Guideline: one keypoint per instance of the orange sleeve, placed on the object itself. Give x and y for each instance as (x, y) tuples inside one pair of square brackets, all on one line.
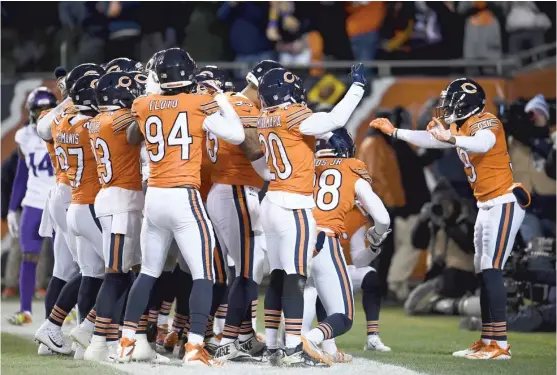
[(122, 120), (360, 169), (296, 115), (492, 124)]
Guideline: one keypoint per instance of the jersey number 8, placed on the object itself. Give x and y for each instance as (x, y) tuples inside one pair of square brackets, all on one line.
[(269, 143), (179, 136), (328, 195)]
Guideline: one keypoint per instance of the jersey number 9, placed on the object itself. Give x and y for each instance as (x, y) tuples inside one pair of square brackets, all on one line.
[(179, 136)]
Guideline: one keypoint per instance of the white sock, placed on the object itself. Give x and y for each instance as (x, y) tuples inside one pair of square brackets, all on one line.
[(502, 344), (271, 335), (87, 325), (254, 324), (316, 336), (486, 341), (244, 338), (292, 341), (195, 339), (219, 326), (329, 346), (162, 320), (128, 333)]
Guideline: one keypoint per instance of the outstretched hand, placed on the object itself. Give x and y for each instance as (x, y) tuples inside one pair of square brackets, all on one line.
[(436, 128), (382, 124)]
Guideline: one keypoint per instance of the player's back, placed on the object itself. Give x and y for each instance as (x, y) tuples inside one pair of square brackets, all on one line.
[(173, 130), (41, 174), (335, 190), (118, 163), (289, 153), (76, 157), (489, 174), (230, 165)]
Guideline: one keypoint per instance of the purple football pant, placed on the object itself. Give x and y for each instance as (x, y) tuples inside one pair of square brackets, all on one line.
[(31, 243)]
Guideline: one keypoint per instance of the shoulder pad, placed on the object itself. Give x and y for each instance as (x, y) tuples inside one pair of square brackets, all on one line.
[(360, 169)]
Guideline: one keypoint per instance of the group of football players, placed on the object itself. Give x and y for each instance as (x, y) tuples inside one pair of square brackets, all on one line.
[(157, 199), (199, 233)]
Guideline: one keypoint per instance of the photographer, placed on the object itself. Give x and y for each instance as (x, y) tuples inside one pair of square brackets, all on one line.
[(445, 226), (530, 144), (529, 274)]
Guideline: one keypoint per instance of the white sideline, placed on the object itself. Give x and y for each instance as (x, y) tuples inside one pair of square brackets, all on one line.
[(360, 366)]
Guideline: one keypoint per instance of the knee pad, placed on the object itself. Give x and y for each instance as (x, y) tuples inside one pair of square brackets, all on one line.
[(370, 283)]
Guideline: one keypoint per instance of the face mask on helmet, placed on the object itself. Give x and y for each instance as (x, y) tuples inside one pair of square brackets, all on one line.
[(461, 99)]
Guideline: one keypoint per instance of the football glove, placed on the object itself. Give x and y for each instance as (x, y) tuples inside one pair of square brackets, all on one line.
[(212, 86), (13, 223), (357, 75), (375, 239)]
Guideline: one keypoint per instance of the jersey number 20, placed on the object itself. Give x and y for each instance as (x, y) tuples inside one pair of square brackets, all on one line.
[(272, 140), (179, 136)]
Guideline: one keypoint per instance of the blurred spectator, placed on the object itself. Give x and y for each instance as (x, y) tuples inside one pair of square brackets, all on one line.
[(482, 32), (85, 31), (247, 21), (529, 147), (328, 18), (411, 165), (11, 275), (526, 26), (204, 29), (397, 26), (124, 29), (377, 153), (364, 21), (550, 162)]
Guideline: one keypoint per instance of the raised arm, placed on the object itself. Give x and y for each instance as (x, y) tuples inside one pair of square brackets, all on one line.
[(225, 123)]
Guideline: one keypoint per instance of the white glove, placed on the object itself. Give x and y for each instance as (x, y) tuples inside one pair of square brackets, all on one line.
[(13, 223), (375, 239)]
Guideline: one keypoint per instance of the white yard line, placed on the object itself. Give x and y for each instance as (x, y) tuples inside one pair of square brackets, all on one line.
[(360, 366)]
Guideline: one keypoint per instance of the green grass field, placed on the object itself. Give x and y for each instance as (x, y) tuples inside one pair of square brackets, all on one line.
[(422, 344)]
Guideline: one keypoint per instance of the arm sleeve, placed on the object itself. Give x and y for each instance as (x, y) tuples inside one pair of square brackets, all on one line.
[(362, 256), (19, 186), (322, 122), (225, 124), (373, 206), (421, 138), (480, 143), (262, 169)]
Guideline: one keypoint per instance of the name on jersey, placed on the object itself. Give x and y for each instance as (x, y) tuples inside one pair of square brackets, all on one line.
[(322, 162), (67, 138), (268, 122), (157, 105)]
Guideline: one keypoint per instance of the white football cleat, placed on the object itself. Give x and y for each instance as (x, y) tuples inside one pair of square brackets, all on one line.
[(52, 338), (491, 351), (253, 347), (374, 343), (340, 356), (145, 352), (81, 336), (229, 352), (196, 355), (79, 352), (476, 347), (44, 350), (97, 351)]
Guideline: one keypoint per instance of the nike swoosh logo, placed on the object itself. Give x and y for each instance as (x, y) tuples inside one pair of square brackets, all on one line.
[(55, 344)]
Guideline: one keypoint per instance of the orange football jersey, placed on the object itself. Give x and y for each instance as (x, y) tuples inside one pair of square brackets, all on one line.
[(76, 157), (353, 221), (173, 129), (335, 192), (289, 153), (118, 162), (490, 175), (61, 177), (230, 165)]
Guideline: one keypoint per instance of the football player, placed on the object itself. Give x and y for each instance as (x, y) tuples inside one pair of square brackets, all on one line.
[(340, 180), (479, 139), (77, 159), (119, 203), (33, 180), (123, 64), (233, 206), (287, 131), (172, 125)]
